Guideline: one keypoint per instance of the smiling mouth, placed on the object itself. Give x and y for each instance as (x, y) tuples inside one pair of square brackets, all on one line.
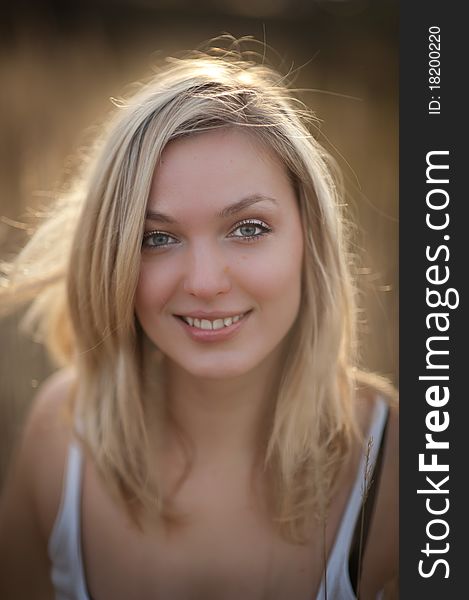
[(212, 324)]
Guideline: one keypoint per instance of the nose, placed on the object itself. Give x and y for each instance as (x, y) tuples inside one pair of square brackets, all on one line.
[(207, 273)]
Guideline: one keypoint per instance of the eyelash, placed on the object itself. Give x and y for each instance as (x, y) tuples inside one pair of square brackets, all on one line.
[(257, 223), (265, 229), (149, 234)]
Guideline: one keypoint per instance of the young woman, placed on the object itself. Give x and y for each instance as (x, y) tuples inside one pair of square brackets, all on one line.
[(210, 435)]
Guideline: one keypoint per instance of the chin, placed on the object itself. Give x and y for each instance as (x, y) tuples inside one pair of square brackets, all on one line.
[(219, 369)]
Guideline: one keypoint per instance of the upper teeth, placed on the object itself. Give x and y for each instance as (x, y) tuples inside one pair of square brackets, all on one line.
[(215, 324)]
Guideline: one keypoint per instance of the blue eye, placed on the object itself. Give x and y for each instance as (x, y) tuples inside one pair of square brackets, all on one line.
[(250, 229), (157, 239)]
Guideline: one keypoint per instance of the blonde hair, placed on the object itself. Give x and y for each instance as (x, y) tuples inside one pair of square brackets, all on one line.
[(82, 265)]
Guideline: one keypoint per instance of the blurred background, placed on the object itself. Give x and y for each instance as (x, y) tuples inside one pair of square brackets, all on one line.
[(62, 60)]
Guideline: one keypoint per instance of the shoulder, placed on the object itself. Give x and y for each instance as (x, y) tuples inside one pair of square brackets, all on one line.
[(32, 491), (38, 462), (48, 433), (50, 409)]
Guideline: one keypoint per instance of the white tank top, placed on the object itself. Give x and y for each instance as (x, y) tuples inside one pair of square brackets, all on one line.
[(65, 553)]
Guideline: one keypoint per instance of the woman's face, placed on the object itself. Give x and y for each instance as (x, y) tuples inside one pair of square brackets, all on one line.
[(220, 276)]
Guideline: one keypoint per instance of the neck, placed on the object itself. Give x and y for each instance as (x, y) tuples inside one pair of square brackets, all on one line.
[(223, 418)]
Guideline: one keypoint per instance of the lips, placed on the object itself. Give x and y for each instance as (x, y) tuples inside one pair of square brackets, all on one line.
[(214, 329), (212, 324)]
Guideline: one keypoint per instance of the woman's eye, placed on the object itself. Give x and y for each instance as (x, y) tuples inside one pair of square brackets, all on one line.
[(157, 239), (250, 229)]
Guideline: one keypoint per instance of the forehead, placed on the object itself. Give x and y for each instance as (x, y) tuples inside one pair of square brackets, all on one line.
[(214, 168)]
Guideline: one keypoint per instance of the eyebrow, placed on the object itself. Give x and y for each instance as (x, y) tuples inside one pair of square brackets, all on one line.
[(228, 211)]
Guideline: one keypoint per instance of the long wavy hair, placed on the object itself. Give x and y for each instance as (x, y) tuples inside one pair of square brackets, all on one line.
[(81, 268)]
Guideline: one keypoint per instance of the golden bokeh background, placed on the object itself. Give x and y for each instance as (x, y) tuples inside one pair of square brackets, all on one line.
[(61, 62)]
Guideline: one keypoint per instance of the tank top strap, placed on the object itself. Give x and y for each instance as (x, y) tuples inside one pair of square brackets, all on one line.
[(64, 547), (338, 580)]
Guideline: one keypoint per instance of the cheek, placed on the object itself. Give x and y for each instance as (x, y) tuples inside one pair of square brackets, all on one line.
[(155, 286), (276, 274)]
